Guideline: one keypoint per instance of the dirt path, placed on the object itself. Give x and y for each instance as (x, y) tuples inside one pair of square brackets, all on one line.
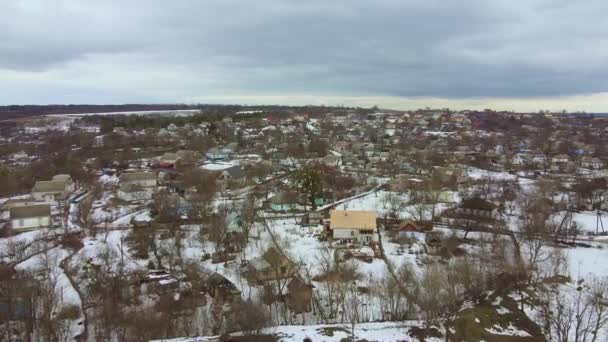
[(64, 266)]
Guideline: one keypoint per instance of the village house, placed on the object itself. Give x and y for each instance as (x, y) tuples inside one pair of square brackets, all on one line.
[(217, 154), (449, 175), (437, 243), (56, 189), (20, 202), (168, 160), (171, 159), (331, 160), (477, 207), (407, 227), (234, 175), (143, 179), (28, 217), (134, 192), (592, 163), (353, 226), (284, 201), (560, 159)]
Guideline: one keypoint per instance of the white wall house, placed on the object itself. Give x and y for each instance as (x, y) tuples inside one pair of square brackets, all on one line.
[(143, 179), (56, 189), (592, 163), (353, 226), (29, 217)]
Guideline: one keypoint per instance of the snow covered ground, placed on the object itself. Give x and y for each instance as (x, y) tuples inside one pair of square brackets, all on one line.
[(586, 221), (48, 264), (586, 262), (475, 173), (379, 331)]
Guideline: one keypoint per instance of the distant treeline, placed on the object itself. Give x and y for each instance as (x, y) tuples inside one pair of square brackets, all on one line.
[(20, 111)]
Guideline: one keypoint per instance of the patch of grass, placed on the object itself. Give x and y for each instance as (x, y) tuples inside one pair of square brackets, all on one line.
[(470, 324), (249, 338), (69, 312), (329, 331), (421, 334)]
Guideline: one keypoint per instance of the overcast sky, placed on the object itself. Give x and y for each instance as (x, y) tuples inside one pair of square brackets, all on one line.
[(503, 54)]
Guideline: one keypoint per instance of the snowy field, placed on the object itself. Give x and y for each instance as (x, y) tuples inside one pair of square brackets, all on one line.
[(586, 221), (180, 112), (381, 331)]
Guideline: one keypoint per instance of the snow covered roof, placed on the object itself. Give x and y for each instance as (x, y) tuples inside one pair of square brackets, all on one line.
[(49, 186)]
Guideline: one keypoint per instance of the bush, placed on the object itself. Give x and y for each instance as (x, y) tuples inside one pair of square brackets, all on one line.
[(70, 312), (71, 241)]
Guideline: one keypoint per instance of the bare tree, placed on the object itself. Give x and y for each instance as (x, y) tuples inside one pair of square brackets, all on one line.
[(598, 299), (249, 318), (352, 307)]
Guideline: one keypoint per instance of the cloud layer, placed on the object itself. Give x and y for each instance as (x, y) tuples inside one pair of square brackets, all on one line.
[(101, 51)]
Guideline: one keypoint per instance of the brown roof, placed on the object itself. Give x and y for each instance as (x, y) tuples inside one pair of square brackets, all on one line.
[(353, 219), (478, 203), (49, 186), (409, 224), (37, 210)]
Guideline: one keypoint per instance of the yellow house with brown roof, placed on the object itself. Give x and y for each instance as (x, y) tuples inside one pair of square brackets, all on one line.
[(353, 225)]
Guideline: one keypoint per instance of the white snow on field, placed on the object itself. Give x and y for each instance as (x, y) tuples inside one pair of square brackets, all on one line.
[(304, 247), (588, 261), (380, 202), (373, 201), (93, 247), (110, 214), (219, 166), (378, 331), (23, 238), (476, 173), (586, 221), (143, 216), (125, 221), (53, 258), (179, 112)]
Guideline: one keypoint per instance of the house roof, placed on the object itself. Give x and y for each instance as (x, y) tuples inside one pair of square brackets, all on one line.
[(219, 281), (37, 210), (235, 172), (478, 203), (137, 176), (169, 156), (353, 219), (49, 186), (409, 224), (131, 188), (187, 154), (62, 177), (284, 198)]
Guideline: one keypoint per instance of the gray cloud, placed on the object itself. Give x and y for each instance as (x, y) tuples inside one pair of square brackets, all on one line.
[(183, 50)]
